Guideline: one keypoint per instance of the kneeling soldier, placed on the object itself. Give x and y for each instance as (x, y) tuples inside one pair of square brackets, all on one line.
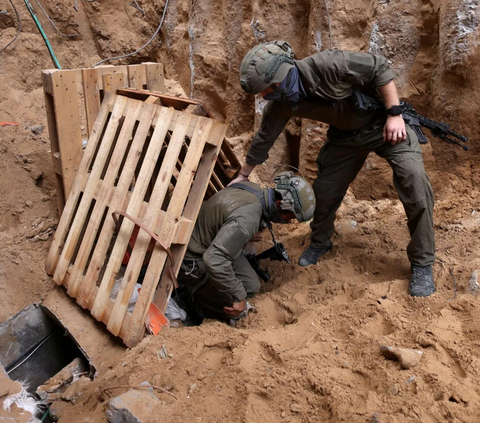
[(215, 273)]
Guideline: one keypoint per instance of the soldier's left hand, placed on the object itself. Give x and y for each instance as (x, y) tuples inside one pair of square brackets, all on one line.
[(394, 130)]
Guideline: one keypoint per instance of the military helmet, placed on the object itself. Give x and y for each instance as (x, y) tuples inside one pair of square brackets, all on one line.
[(264, 65), (297, 195)]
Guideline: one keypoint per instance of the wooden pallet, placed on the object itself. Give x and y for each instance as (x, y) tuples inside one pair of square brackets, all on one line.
[(133, 145), (73, 98)]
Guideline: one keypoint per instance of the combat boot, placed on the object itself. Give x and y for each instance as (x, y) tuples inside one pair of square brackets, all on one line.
[(312, 254), (421, 282)]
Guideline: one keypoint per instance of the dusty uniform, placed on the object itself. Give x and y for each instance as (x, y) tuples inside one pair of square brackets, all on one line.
[(329, 79), (215, 271)]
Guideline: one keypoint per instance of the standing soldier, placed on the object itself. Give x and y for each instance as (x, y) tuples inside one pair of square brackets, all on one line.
[(326, 87)]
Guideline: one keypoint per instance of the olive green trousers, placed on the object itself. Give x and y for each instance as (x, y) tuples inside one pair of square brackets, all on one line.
[(339, 162)]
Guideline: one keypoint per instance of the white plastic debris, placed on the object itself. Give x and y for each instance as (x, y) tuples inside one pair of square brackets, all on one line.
[(174, 311)]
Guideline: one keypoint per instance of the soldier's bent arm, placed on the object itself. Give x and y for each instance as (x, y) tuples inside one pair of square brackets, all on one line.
[(228, 244), (271, 127)]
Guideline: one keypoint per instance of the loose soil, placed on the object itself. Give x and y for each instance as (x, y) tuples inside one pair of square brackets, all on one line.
[(310, 352)]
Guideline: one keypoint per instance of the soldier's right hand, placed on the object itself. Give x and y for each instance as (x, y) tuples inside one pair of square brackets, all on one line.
[(239, 178), (236, 309)]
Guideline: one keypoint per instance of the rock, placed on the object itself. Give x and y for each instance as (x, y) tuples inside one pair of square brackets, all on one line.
[(375, 418), (63, 379), (37, 129), (296, 408), (29, 204), (408, 358), (395, 390), (473, 286), (134, 406)]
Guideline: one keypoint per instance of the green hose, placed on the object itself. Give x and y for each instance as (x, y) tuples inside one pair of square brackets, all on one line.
[(39, 25)]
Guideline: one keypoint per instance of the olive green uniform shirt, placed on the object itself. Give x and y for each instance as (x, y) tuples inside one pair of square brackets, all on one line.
[(226, 222), (329, 79)]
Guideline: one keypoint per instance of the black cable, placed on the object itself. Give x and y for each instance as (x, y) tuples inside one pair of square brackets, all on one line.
[(53, 24), (19, 26), (141, 48)]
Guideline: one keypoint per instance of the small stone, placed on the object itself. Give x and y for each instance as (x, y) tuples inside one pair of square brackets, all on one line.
[(283, 414), (295, 408), (375, 418), (407, 357), (29, 204), (134, 406), (162, 353), (37, 129), (394, 390)]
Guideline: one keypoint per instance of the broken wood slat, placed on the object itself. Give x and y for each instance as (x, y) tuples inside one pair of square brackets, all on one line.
[(132, 111), (86, 200), (136, 200), (154, 76), (192, 208), (78, 185), (113, 81), (110, 69), (143, 239), (167, 229)]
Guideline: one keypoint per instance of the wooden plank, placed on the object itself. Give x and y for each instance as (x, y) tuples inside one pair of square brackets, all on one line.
[(109, 69), (177, 103), (158, 195), (91, 94), (230, 155), (126, 229), (67, 116), (86, 200), (174, 211), (113, 81), (132, 110), (154, 75), (78, 185), (153, 100), (120, 200), (136, 76)]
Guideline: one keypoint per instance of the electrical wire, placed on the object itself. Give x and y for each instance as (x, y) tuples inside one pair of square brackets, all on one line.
[(50, 20), (141, 48), (29, 355), (329, 26), (42, 32), (19, 26)]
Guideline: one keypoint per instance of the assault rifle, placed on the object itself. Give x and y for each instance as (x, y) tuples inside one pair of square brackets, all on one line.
[(415, 120), (276, 253), (440, 130)]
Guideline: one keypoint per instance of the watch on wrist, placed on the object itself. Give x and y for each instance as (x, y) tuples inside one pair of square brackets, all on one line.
[(395, 110)]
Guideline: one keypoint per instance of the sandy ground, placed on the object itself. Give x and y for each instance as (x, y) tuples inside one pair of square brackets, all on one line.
[(310, 352)]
